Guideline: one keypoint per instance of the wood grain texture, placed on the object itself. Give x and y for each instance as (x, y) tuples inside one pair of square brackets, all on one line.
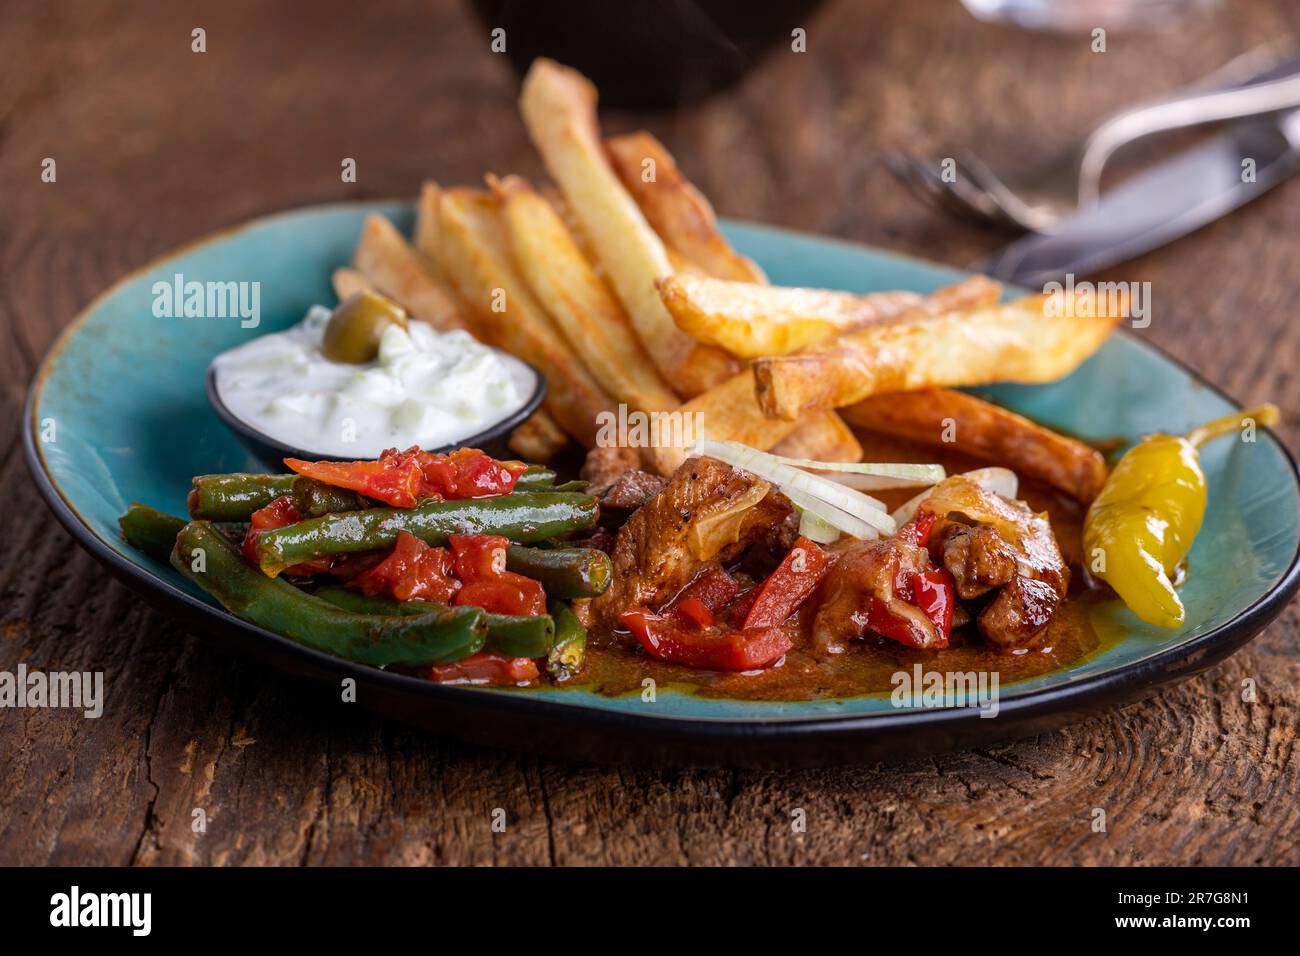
[(156, 145)]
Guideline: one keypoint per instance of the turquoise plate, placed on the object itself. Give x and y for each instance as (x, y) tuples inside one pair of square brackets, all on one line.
[(117, 413)]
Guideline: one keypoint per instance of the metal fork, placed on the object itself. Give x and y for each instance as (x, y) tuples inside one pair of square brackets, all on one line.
[(1264, 80)]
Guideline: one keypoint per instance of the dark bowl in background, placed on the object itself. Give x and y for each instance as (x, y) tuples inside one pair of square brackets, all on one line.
[(647, 53), (271, 452)]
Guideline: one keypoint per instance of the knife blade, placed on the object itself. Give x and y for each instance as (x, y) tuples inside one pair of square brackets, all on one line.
[(1177, 196)]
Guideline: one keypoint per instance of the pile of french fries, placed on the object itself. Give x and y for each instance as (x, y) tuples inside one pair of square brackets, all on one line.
[(618, 285)]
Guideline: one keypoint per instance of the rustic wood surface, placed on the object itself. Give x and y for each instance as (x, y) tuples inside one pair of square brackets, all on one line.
[(157, 145)]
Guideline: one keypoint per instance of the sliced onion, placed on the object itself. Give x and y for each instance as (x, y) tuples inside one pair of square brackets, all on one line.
[(817, 529), (873, 482), (845, 522), (1000, 481), (851, 510), (904, 473), (714, 530)]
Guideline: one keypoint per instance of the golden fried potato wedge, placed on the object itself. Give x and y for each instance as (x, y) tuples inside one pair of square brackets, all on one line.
[(751, 320), (683, 266), (348, 281), (559, 109), (538, 438), (475, 255), (821, 436), (593, 322), (1018, 341), (948, 419), (678, 211), (394, 268), (427, 227), (728, 412)]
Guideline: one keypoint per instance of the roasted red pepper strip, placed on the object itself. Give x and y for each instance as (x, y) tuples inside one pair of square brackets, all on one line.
[(405, 478), (694, 611), (720, 648), (713, 588), (739, 608), (485, 668), (933, 593), (507, 593), (786, 588), (394, 481), (413, 571), (917, 531), (896, 627)]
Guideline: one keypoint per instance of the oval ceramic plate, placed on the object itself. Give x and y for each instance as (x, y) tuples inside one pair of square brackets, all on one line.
[(124, 390)]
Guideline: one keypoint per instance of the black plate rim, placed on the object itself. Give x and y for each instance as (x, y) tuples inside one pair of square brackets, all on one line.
[(1200, 652)]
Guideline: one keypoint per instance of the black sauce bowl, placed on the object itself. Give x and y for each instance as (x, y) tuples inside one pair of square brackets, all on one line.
[(271, 452)]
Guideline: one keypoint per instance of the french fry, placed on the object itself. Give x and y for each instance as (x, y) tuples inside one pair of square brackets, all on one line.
[(577, 299), (559, 108), (728, 412), (682, 265), (1014, 342), (394, 268), (348, 282), (821, 436), (677, 210), (538, 438), (475, 254), (948, 419), (731, 414), (716, 407), (752, 321), (427, 227)]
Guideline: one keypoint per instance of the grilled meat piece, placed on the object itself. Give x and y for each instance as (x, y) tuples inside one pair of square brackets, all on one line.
[(706, 515), (989, 542), (1020, 612), (1022, 609), (604, 466), (867, 571), (978, 557), (631, 490)]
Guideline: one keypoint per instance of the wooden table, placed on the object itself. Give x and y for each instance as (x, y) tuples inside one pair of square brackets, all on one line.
[(156, 145)]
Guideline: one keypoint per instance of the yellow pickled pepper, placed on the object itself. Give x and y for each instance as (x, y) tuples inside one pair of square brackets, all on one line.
[(1143, 522)]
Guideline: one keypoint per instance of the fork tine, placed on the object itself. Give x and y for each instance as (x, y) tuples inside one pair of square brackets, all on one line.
[(952, 197)]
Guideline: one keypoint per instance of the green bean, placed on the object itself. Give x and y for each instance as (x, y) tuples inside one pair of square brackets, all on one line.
[(314, 498), (517, 636), (154, 532), (570, 486), (570, 646), (235, 497), (526, 518), (210, 560), (536, 478), (563, 572), (359, 603), (506, 633), (150, 530)]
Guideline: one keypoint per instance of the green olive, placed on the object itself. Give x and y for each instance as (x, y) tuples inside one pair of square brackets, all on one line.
[(358, 323)]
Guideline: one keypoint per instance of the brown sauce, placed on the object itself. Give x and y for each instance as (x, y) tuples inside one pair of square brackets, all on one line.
[(615, 667)]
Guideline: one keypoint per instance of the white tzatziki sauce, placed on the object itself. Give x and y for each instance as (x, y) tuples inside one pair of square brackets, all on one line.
[(425, 388)]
